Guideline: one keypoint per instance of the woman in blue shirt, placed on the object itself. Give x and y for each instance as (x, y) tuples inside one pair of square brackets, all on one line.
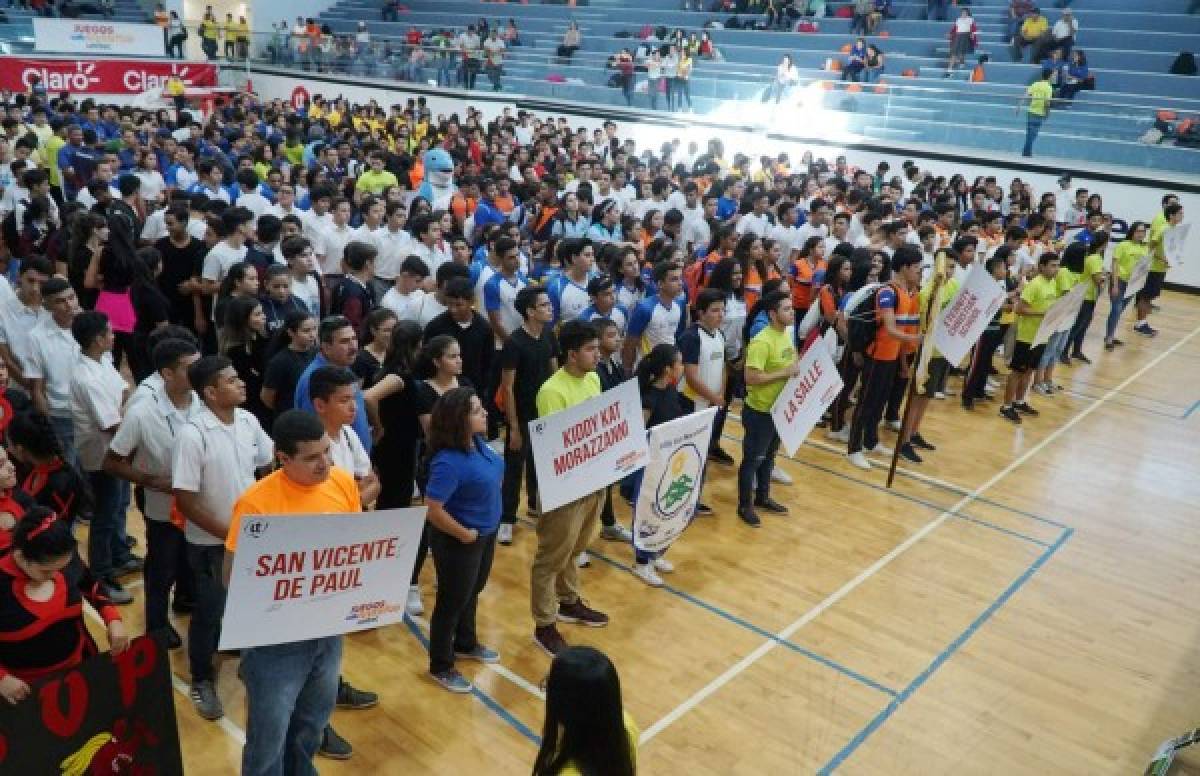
[(463, 499), (1077, 76)]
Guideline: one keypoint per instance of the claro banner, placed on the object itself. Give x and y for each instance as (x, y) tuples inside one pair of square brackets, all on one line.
[(95, 36), (101, 76)]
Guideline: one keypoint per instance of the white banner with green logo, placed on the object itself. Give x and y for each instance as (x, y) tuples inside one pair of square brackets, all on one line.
[(672, 479)]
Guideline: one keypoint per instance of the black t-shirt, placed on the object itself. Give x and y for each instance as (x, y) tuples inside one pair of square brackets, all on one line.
[(365, 366), (663, 403), (250, 364), (151, 307), (424, 394), (283, 372), (178, 265), (475, 340), (529, 359)]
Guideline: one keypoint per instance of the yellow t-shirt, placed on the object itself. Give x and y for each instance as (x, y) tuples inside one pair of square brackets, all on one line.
[(1158, 261), (1039, 93), (769, 351), (1039, 293), (562, 390), (208, 29), (275, 494), (1127, 255), (1093, 265), (375, 182), (631, 729)]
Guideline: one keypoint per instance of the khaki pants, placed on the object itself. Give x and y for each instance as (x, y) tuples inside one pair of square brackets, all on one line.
[(562, 535)]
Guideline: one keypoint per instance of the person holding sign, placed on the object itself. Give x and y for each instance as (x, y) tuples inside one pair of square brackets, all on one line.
[(1065, 280), (1040, 292), (1129, 252), (1091, 271), (42, 632), (463, 497), (565, 532), (1170, 217), (291, 688), (975, 386), (770, 362)]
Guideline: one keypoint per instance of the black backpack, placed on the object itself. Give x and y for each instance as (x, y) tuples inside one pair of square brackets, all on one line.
[(11, 233), (1184, 64), (862, 322)]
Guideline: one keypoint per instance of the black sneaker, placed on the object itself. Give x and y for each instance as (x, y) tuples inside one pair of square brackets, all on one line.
[(720, 456), (1110, 346), (130, 565), (749, 516), (350, 697), (580, 613), (1064, 359), (549, 639), (703, 509), (114, 592), (1081, 357), (173, 640), (1146, 330), (968, 403), (1025, 409), (919, 441), (334, 746), (909, 453), (1117, 341), (1011, 414), (771, 505)]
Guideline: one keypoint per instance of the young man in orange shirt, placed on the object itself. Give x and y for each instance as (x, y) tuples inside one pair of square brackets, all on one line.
[(291, 688)]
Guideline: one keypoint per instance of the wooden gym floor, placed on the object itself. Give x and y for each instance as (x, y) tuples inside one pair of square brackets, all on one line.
[(1022, 602)]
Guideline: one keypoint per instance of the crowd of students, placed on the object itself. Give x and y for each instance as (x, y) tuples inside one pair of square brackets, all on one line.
[(282, 275)]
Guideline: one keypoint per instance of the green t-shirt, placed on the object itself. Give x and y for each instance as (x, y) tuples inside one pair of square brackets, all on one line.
[(53, 146), (1065, 280), (1039, 293), (1093, 265), (769, 351), (562, 390), (1127, 255), (294, 153), (1158, 262), (375, 182), (1039, 93)]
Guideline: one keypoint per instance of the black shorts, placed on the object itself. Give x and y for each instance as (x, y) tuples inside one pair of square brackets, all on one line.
[(1153, 287), (936, 378), (1025, 356)]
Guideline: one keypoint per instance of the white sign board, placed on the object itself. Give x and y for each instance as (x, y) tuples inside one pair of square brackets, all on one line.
[(672, 480), (1175, 243), (1062, 314), (97, 36), (964, 318), (1138, 276), (584, 448), (806, 396), (298, 577)]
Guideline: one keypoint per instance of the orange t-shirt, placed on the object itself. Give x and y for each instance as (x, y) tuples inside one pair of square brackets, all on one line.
[(908, 317), (829, 305), (275, 494), (753, 285), (805, 277)]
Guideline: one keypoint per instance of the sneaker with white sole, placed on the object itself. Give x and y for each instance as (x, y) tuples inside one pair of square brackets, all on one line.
[(204, 698), (505, 534), (583, 560), (616, 533), (414, 605), (895, 425), (480, 653), (780, 476), (453, 681), (646, 573), (663, 565), (1043, 388), (859, 460), (879, 449), (842, 436)]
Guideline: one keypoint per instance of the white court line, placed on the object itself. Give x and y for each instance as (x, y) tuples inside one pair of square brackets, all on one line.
[(497, 668), (733, 671)]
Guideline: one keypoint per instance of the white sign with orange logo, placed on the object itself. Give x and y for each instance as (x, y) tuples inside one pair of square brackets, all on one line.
[(672, 479)]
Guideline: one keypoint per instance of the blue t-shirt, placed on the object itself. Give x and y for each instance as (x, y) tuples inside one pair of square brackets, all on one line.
[(302, 401), (468, 485)]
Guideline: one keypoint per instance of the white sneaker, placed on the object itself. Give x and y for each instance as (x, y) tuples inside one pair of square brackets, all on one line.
[(896, 425), (992, 385), (839, 436), (616, 533), (939, 394), (646, 573), (1043, 389), (504, 535), (584, 560), (859, 460), (780, 476), (880, 450), (415, 606), (663, 565)]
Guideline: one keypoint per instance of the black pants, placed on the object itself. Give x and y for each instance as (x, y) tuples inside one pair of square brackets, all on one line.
[(166, 566), (878, 379), (204, 632), (981, 363), (895, 401), (462, 571), (397, 466), (850, 372), (734, 389), (517, 462)]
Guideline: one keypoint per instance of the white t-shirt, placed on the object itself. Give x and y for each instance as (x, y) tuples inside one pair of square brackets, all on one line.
[(53, 353), (710, 365), (347, 452), (220, 258), (96, 393), (153, 184), (332, 246), (254, 202), (148, 432), (17, 323), (405, 306), (429, 309), (394, 248), (308, 291)]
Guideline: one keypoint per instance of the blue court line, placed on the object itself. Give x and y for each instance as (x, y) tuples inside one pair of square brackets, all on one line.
[(1126, 404), (918, 500), (883, 716), (1089, 384), (483, 697), (763, 632), (1190, 410)]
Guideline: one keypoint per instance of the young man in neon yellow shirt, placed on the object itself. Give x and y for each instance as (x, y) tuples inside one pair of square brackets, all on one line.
[(1170, 217), (1037, 108), (1039, 293)]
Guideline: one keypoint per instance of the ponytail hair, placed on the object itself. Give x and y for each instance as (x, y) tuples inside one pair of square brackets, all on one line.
[(658, 360), (43, 536)]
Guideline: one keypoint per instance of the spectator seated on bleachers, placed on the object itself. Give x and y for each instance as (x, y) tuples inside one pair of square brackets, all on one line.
[(1077, 76), (1032, 34)]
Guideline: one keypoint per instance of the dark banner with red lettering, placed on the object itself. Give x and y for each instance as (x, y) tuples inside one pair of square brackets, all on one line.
[(112, 715), (101, 76)]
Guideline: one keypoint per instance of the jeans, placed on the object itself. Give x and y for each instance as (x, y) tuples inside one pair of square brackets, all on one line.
[(1033, 125), (462, 572), (759, 445), (878, 379), (1054, 348), (204, 631), (1080, 329), (516, 463), (64, 431), (106, 548), (290, 693), (1114, 312), (166, 565)]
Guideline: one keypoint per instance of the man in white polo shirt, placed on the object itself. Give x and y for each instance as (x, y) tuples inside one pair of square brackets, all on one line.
[(52, 355), (20, 315), (395, 245), (235, 228), (333, 240), (217, 456)]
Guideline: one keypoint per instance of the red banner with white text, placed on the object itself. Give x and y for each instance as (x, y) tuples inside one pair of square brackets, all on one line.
[(101, 76)]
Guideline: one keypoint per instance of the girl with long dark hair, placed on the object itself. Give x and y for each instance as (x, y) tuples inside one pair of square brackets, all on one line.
[(850, 366), (291, 351), (1091, 272), (244, 338)]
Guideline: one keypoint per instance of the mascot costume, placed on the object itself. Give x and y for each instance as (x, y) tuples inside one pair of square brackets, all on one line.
[(438, 186)]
